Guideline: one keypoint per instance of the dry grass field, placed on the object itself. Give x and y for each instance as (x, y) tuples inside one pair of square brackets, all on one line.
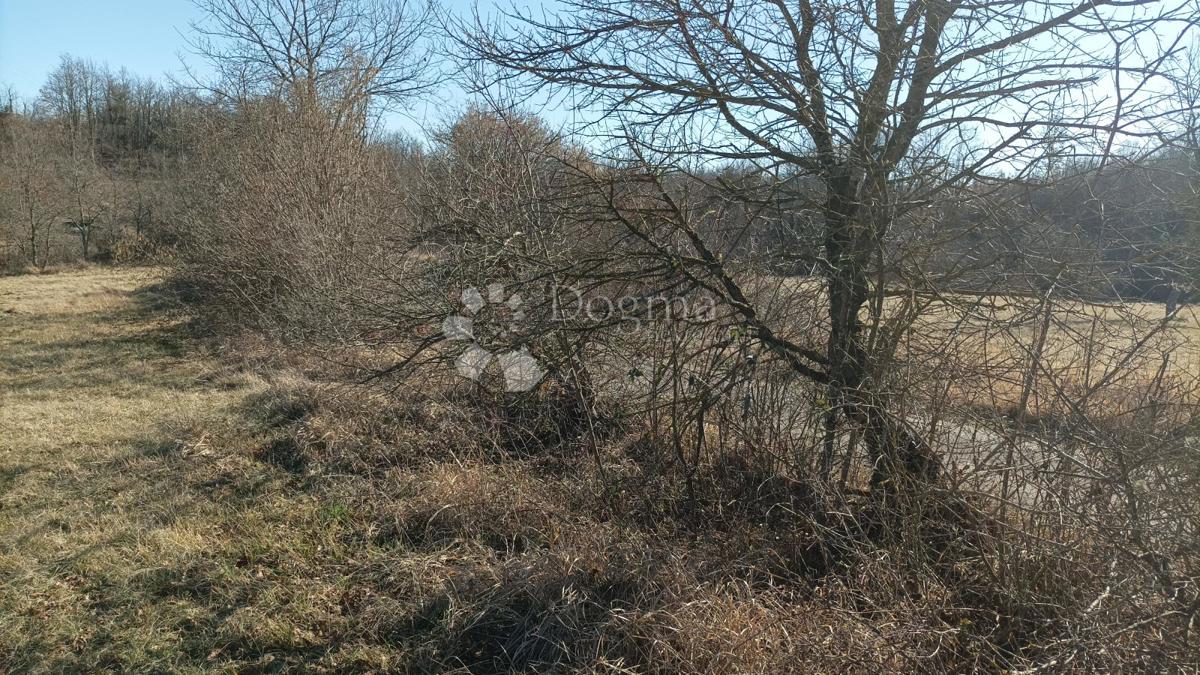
[(127, 541), (1114, 359), (168, 508), (157, 514), (977, 350)]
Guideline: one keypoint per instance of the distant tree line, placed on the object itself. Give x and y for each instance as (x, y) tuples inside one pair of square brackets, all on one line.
[(83, 166), (92, 166)]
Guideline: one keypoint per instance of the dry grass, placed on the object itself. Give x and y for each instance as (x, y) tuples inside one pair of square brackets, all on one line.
[(1114, 357), (976, 350), (164, 509), (134, 534)]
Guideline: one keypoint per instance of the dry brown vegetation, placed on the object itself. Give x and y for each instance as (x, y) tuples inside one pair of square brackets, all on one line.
[(894, 369), (169, 509), (988, 351)]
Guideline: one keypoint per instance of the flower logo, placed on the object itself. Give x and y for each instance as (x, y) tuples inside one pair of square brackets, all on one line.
[(521, 370)]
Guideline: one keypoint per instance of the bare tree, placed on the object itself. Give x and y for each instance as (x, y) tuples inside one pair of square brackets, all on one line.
[(348, 54), (71, 96), (35, 187), (886, 104), (288, 142)]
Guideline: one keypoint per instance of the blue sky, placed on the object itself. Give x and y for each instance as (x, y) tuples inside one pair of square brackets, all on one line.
[(143, 36), (147, 38), (140, 35)]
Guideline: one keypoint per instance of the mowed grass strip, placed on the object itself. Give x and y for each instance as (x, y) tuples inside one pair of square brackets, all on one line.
[(135, 530)]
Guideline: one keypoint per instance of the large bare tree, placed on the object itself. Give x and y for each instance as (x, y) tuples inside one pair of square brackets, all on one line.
[(287, 142), (886, 105), (352, 53)]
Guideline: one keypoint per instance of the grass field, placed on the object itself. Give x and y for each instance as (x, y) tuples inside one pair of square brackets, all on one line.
[(977, 350), (166, 508), (157, 514), (130, 537), (164, 511)]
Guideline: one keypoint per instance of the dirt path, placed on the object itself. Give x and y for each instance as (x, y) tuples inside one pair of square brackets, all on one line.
[(127, 540)]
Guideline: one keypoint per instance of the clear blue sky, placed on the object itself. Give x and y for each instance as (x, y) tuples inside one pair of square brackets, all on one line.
[(143, 36), (140, 35)]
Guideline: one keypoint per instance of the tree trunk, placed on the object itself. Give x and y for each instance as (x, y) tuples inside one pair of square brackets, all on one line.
[(894, 449), (33, 247)]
